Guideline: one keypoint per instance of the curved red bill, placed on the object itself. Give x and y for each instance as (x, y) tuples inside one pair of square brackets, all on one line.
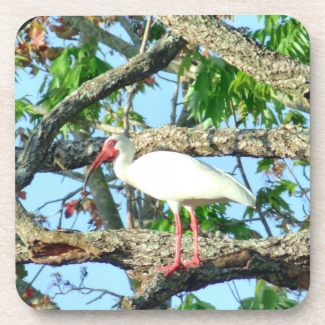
[(107, 154)]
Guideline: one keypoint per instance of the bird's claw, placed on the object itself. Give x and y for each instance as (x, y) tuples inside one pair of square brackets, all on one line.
[(172, 268), (195, 261)]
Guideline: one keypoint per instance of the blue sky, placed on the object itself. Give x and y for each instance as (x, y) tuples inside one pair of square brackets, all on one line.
[(155, 106)]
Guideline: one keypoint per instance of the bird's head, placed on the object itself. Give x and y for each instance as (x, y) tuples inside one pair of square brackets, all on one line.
[(110, 151)]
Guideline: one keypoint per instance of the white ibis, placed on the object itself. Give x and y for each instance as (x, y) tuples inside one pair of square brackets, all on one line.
[(176, 178)]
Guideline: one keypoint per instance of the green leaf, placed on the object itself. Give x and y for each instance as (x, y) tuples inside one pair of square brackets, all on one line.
[(207, 225), (185, 64), (202, 86), (301, 163), (239, 82), (99, 66), (266, 297), (21, 271), (264, 164), (207, 306), (215, 110), (65, 131), (23, 107), (72, 78), (217, 64), (162, 225), (269, 298), (289, 186), (260, 287), (298, 48), (192, 302), (295, 117), (279, 107), (247, 303), (61, 65), (268, 118)]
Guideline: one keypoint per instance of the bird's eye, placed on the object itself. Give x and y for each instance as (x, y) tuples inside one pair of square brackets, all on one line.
[(112, 144)]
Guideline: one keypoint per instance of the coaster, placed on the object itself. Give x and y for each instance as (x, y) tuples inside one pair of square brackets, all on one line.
[(162, 162)]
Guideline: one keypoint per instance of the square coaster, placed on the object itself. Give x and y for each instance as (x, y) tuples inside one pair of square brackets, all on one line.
[(162, 162)]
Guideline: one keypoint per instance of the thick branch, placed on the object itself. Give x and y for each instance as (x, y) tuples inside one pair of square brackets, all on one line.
[(102, 36), (141, 66), (287, 141), (278, 70), (283, 261)]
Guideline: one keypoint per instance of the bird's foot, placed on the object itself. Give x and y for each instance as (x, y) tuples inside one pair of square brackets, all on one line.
[(172, 268), (194, 261)]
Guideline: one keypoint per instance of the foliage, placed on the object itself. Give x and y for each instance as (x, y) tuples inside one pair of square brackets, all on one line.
[(23, 107), (192, 302), (46, 48), (285, 35), (268, 297), (212, 219)]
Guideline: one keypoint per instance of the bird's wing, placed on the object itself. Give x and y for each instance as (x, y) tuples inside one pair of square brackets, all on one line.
[(172, 176)]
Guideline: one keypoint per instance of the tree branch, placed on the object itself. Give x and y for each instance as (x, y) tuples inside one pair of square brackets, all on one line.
[(266, 66), (128, 27), (141, 66), (283, 261), (287, 141), (102, 36)]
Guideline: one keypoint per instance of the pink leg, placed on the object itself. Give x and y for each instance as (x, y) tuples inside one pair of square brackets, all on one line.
[(194, 225), (177, 263)]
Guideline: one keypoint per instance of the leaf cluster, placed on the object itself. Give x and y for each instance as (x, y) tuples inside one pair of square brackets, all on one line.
[(285, 35), (268, 297)]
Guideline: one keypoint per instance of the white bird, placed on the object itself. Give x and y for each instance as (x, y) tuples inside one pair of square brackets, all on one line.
[(176, 178)]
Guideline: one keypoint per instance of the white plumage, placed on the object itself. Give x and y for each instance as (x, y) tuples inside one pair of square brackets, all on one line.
[(172, 176), (176, 178)]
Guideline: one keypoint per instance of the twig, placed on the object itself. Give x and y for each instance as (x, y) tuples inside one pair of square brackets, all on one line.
[(146, 35), (35, 277), (131, 122), (304, 172), (237, 298), (99, 126), (75, 220), (174, 101), (159, 211), (72, 174), (104, 292), (67, 197), (88, 291), (170, 80), (127, 107), (140, 208), (129, 218), (294, 176), (238, 294), (238, 222), (183, 103)]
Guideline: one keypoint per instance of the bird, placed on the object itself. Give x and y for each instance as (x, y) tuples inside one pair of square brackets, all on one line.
[(178, 179)]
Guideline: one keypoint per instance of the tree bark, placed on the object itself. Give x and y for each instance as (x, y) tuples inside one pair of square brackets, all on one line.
[(266, 66), (287, 141), (283, 261)]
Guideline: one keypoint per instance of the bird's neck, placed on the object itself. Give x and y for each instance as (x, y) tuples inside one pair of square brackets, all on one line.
[(121, 164)]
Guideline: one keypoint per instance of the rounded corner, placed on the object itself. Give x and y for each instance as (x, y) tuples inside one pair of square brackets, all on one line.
[(25, 24)]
